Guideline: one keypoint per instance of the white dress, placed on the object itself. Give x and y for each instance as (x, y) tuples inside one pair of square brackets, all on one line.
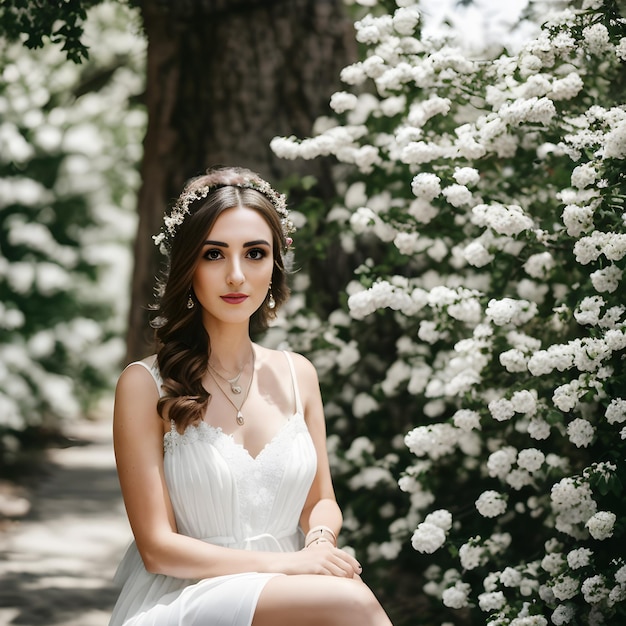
[(224, 496)]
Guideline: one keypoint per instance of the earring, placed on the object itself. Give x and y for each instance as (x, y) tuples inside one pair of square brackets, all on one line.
[(271, 303), (190, 302)]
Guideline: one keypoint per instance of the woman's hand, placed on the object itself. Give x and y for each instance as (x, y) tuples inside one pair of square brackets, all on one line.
[(321, 559)]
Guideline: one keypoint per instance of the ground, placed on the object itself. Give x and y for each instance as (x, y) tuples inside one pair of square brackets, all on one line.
[(58, 559)]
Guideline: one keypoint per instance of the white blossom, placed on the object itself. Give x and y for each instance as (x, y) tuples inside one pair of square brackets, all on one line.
[(601, 524), (616, 411), (580, 557), (491, 504), (580, 432), (428, 538), (531, 459), (456, 597), (594, 589)]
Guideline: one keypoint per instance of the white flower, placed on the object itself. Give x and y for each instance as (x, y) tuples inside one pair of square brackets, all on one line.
[(428, 538), (588, 310), (501, 409), (552, 562), (563, 614), (363, 404), (565, 587), (596, 38), (538, 429), (501, 461), (581, 557), (491, 504), (466, 175), (514, 360), (441, 518), (531, 459), (509, 311), (405, 20), (510, 577), (491, 601), (423, 211), (342, 101), (471, 555), (580, 432), (606, 279), (467, 420), (534, 110), (566, 88), (435, 441), (457, 195), (584, 175), (594, 589), (426, 186), (524, 401), (601, 525), (456, 597), (539, 265), (577, 219), (505, 220), (615, 142), (477, 255), (616, 411)]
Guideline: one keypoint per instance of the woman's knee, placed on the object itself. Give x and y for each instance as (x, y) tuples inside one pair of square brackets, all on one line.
[(318, 600)]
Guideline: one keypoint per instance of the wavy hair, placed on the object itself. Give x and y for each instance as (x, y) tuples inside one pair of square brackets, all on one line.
[(184, 345)]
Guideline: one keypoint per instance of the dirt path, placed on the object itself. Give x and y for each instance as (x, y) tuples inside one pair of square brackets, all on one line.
[(57, 562)]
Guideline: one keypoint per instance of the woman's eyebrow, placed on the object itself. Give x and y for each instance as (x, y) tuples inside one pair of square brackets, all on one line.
[(248, 244)]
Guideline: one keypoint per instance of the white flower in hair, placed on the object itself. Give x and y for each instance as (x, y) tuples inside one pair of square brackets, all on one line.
[(191, 194)]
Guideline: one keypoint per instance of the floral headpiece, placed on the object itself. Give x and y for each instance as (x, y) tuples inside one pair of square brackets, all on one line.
[(180, 210)]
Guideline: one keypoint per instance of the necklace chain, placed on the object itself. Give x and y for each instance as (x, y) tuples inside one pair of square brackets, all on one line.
[(234, 387), (239, 418)]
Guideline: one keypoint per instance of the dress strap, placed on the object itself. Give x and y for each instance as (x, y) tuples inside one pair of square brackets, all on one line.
[(154, 372), (294, 381)]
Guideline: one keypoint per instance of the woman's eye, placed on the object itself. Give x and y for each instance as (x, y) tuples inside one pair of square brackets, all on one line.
[(212, 255), (256, 254)]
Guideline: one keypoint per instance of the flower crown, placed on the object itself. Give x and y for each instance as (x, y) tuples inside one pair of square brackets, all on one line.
[(181, 210)]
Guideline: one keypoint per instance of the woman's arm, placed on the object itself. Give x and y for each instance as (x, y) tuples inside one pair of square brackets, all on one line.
[(138, 441), (321, 508)]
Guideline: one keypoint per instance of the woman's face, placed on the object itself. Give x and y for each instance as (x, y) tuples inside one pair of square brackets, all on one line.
[(234, 270)]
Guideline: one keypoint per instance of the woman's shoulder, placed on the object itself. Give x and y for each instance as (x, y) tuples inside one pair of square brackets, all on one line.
[(140, 373), (304, 369)]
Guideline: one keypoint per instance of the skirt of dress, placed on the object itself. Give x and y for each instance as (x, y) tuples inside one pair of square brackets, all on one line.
[(221, 601), (156, 600)]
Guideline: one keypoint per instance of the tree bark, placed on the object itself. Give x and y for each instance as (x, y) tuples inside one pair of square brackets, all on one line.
[(223, 78)]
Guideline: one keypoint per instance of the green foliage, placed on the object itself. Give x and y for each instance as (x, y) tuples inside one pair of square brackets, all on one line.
[(68, 174)]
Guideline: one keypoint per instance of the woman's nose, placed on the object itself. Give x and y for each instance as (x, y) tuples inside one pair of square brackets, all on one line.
[(235, 273)]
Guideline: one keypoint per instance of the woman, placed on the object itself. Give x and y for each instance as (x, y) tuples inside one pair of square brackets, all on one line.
[(220, 443)]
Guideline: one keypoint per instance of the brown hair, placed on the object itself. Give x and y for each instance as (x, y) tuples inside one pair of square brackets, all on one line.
[(184, 345)]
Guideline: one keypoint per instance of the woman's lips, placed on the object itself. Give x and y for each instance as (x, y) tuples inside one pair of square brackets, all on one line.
[(234, 298)]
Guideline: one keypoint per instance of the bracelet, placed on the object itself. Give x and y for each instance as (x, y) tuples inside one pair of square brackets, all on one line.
[(319, 540), (319, 532)]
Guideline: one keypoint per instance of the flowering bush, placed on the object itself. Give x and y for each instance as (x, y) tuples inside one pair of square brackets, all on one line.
[(483, 354), (67, 180)]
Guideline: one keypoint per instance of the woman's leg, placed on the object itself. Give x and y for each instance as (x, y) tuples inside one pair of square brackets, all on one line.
[(318, 601)]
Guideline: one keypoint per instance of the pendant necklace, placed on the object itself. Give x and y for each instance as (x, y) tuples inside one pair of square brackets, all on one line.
[(234, 387), (240, 419)]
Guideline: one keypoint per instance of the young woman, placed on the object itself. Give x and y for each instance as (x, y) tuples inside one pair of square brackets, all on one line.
[(220, 443)]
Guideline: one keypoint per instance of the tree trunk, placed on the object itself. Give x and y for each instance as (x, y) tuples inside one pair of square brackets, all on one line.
[(223, 78)]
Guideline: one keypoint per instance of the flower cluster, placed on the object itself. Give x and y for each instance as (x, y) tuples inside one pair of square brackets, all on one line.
[(192, 194), (488, 314)]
